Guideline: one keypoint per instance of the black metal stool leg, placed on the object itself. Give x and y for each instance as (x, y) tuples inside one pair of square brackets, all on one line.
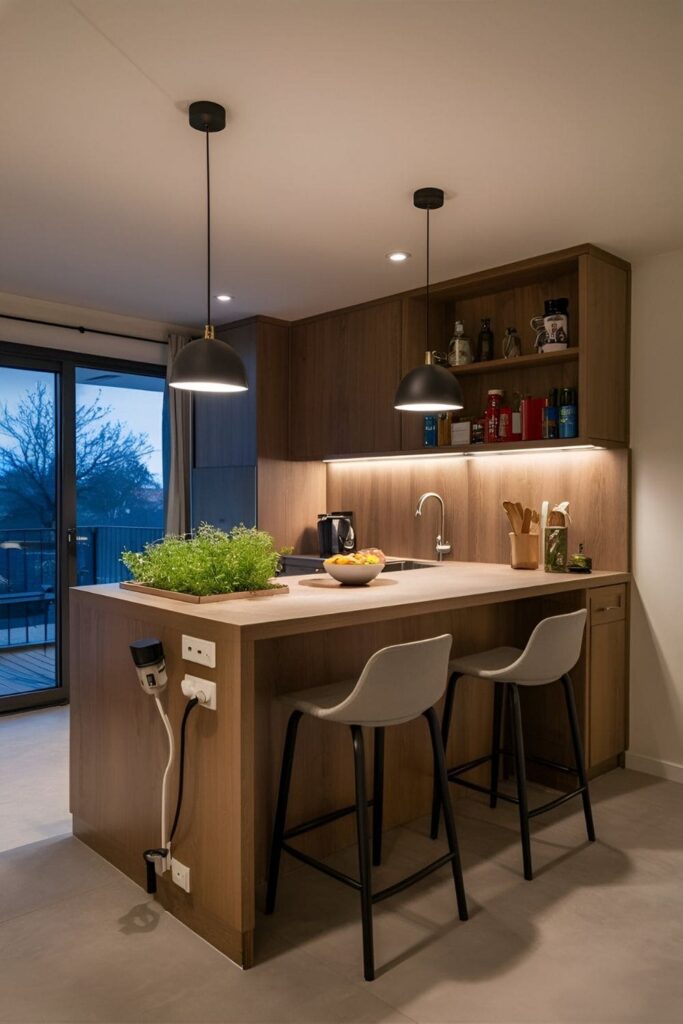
[(281, 811), (495, 741), (378, 796), (442, 782), (578, 755), (363, 853), (520, 772), (445, 730)]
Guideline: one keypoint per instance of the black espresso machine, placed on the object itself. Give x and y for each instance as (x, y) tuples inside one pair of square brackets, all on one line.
[(336, 535)]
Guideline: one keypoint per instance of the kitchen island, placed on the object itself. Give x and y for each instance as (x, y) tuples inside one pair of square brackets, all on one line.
[(319, 632)]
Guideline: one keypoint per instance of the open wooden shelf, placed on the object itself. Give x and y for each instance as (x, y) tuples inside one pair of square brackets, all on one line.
[(568, 355)]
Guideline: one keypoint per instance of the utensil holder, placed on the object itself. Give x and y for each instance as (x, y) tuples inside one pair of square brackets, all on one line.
[(524, 550), (555, 549)]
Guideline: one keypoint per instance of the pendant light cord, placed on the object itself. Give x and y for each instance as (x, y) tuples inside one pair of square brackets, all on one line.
[(208, 233), (428, 341)]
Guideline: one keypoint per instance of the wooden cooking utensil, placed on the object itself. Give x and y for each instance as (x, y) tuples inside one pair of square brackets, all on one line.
[(520, 510), (535, 522), (514, 516), (526, 521)]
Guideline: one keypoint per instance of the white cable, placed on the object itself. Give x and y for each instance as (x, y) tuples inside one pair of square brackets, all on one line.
[(169, 765)]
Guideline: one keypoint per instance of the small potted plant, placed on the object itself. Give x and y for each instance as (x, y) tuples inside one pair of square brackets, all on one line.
[(210, 566)]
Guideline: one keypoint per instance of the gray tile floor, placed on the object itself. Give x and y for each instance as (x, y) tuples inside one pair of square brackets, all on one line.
[(595, 938)]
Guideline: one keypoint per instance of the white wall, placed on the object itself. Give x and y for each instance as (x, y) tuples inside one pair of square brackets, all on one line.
[(657, 503), (49, 337)]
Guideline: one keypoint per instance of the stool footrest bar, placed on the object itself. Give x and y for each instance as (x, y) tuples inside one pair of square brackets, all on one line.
[(556, 803), (324, 819), (313, 863), (483, 789), (468, 765), (417, 876)]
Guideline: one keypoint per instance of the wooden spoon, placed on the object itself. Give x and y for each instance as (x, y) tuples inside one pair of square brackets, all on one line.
[(526, 521), (514, 516)]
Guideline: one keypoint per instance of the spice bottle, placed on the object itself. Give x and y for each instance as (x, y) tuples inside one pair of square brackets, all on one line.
[(550, 416), (485, 341)]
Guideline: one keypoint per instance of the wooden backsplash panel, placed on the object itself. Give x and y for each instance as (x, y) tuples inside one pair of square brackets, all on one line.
[(383, 496)]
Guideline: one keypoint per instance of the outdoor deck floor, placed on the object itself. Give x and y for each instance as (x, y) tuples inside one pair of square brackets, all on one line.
[(27, 670)]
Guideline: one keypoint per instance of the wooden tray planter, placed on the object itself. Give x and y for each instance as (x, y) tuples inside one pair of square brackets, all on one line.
[(175, 595)]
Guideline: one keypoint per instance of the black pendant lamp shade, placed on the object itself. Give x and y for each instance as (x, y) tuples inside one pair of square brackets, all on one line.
[(428, 388), (208, 364)]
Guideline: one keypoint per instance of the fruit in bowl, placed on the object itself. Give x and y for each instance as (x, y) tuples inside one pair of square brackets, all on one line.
[(356, 569)]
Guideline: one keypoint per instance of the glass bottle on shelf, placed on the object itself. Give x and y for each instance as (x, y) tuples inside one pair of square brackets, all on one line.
[(485, 341), (459, 347)]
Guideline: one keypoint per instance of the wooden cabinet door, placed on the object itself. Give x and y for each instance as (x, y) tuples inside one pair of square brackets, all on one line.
[(607, 691), (344, 372)]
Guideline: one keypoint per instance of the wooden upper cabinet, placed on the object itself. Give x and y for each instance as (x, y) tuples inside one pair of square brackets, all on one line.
[(344, 371), (604, 304)]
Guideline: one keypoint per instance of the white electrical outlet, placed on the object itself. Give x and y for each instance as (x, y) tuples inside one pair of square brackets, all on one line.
[(203, 652), (180, 875), (203, 689)]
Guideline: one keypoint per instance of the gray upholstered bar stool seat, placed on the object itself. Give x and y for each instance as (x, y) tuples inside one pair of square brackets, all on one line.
[(553, 650), (397, 685)]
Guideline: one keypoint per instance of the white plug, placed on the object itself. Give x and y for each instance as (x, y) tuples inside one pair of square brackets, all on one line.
[(203, 689)]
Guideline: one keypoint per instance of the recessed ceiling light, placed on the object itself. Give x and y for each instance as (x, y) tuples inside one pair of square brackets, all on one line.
[(398, 257)]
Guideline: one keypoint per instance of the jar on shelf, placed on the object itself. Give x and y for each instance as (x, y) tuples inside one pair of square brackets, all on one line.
[(459, 347), (512, 343)]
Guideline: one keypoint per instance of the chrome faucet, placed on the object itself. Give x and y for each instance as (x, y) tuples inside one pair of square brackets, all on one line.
[(442, 546)]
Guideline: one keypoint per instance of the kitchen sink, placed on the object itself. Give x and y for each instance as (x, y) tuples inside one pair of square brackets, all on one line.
[(408, 563)]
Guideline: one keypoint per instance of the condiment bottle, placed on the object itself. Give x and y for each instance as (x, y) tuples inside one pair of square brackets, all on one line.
[(550, 416), (459, 347), (493, 414), (485, 341), (568, 421)]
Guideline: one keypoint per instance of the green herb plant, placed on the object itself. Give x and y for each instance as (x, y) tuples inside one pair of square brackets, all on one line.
[(210, 562)]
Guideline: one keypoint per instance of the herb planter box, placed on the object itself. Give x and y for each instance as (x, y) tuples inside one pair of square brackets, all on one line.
[(176, 595)]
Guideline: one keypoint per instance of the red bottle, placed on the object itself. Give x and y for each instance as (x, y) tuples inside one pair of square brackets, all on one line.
[(532, 419), (493, 415)]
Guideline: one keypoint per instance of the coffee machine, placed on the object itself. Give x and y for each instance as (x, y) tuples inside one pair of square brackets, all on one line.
[(336, 535)]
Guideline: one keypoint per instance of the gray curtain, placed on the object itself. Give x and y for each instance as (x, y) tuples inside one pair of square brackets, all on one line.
[(180, 433)]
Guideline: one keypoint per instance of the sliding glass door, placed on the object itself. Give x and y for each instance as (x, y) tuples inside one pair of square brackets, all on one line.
[(81, 480)]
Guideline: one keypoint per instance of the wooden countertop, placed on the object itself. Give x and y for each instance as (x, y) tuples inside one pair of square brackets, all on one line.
[(318, 602)]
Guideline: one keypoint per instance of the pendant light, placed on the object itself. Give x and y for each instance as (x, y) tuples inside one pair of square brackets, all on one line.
[(428, 388), (208, 364)]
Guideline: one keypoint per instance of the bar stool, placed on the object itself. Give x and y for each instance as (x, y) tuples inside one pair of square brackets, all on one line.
[(553, 649), (397, 685)]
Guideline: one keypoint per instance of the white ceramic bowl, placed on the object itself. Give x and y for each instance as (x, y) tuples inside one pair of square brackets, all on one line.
[(353, 575)]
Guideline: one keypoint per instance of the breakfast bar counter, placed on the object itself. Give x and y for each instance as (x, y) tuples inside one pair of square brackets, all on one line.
[(317, 633)]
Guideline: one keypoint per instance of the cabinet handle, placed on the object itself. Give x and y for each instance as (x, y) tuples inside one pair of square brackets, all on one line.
[(609, 608)]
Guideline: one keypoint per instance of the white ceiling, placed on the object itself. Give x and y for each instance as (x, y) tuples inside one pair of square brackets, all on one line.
[(548, 123)]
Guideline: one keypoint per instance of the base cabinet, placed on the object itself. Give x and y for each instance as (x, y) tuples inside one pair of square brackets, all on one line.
[(607, 674)]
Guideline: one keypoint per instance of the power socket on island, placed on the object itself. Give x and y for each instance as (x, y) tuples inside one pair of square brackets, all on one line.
[(180, 875), (202, 652)]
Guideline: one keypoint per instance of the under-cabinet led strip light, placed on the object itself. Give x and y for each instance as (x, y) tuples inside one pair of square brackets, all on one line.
[(466, 455)]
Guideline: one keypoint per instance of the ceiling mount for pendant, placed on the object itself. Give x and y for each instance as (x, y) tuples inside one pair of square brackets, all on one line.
[(206, 116), (428, 198)]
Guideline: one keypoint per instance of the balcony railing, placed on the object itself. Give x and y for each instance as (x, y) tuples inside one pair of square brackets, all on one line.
[(28, 574)]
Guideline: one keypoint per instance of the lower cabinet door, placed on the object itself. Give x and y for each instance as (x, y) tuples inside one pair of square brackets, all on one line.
[(607, 691)]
